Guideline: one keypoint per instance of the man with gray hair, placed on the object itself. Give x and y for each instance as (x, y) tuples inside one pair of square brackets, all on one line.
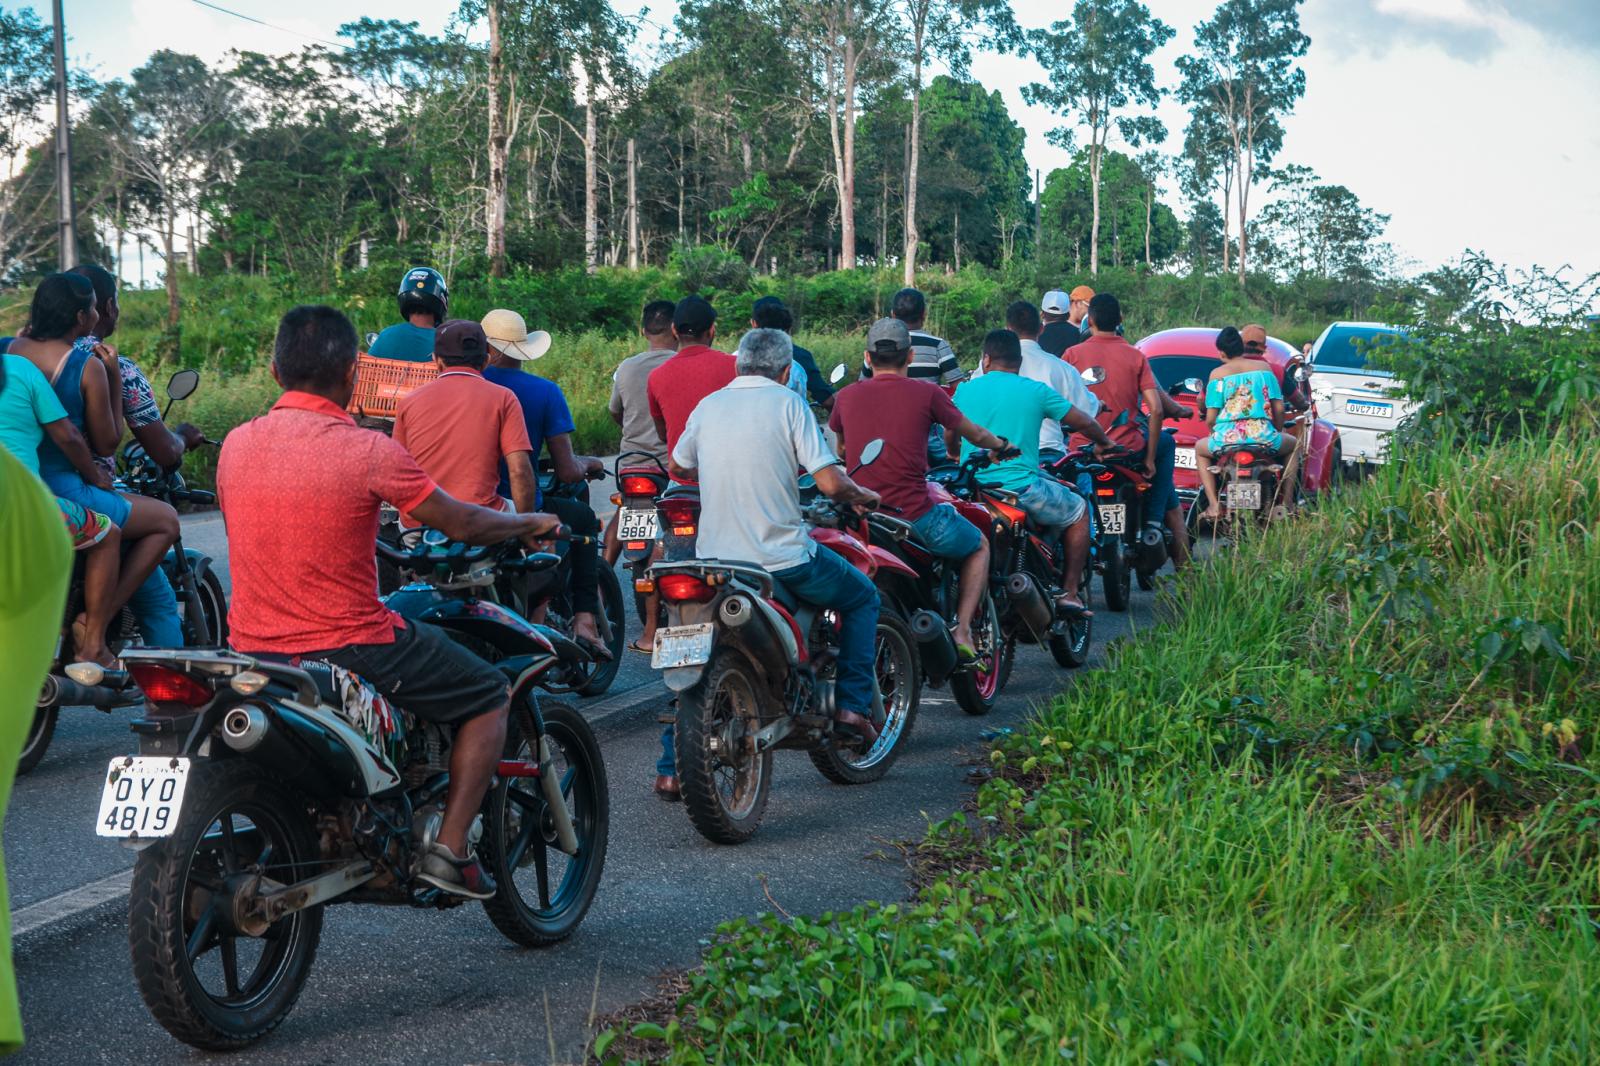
[(744, 444)]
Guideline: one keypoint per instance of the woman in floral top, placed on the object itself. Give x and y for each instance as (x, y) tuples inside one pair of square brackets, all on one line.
[(1244, 407)]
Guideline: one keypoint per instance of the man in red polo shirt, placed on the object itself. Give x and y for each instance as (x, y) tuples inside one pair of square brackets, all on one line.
[(300, 490), (676, 387)]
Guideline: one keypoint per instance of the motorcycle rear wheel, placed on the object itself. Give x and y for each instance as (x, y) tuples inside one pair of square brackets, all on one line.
[(214, 606), (1070, 648), (1115, 577), (37, 741), (725, 797), (614, 627), (900, 683), (519, 833), (234, 817)]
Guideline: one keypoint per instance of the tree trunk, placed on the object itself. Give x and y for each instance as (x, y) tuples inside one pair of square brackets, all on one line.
[(883, 216), (1094, 195), (591, 219), (915, 132), (1149, 208), (495, 207), (633, 209), (956, 230), (1227, 222), (847, 189)]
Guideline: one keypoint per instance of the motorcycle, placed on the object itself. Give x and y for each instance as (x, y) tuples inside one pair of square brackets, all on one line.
[(1026, 571), (263, 791), (1250, 481), (753, 671), (641, 479), (1129, 540), (201, 599)]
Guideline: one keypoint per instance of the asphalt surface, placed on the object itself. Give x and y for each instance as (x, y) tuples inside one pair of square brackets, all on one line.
[(395, 985)]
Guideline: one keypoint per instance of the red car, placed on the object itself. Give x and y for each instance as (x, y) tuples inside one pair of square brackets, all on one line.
[(1179, 354)]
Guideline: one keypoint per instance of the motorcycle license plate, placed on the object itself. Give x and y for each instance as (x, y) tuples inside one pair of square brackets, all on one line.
[(638, 523), (1113, 517), (681, 646), (142, 797), (1184, 459), (1244, 496)]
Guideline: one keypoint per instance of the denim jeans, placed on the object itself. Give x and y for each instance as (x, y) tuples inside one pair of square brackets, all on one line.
[(155, 608), (1163, 492), (937, 452), (828, 581)]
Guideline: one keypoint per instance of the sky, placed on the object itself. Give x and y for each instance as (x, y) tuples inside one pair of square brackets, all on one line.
[(1472, 123)]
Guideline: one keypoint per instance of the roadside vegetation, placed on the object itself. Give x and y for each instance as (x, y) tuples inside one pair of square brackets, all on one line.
[(1340, 806)]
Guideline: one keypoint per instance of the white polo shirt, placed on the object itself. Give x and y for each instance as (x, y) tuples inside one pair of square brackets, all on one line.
[(1062, 377), (749, 441)]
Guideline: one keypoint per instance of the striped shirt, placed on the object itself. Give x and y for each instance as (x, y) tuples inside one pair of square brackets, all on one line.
[(932, 359)]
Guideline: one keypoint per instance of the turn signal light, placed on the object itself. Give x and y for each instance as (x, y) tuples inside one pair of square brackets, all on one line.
[(162, 684), (644, 586), (676, 588), (616, 499)]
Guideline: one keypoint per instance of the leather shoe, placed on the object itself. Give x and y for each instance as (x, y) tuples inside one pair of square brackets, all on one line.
[(667, 789), (859, 725)]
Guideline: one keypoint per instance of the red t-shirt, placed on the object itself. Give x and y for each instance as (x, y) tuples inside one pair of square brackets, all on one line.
[(900, 410), (677, 386), (459, 426), (1127, 376), (300, 489)]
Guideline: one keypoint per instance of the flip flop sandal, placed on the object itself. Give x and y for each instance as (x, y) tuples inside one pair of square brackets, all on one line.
[(642, 649), (967, 654), (1077, 610)]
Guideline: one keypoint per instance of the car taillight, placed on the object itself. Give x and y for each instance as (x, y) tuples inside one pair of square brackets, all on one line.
[(676, 588), (638, 485), (162, 684), (682, 514)]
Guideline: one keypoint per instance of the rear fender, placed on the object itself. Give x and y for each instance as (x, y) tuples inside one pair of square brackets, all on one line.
[(887, 560)]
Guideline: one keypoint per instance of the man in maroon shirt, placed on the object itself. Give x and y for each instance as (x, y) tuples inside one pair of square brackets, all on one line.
[(901, 410), (678, 385), (300, 490)]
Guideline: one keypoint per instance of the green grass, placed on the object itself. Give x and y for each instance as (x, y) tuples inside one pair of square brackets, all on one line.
[(1341, 808)]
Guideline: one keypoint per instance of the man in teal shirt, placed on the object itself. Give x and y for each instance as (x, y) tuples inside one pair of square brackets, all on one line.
[(423, 302), (1009, 405)]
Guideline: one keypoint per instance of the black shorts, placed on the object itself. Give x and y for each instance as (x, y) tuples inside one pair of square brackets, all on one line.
[(424, 672)]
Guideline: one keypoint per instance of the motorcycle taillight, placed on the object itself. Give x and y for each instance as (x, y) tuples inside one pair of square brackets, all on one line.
[(677, 588), (682, 514), (1244, 458), (638, 485), (163, 684)]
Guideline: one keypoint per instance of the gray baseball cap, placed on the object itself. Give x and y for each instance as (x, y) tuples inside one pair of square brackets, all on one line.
[(888, 334)]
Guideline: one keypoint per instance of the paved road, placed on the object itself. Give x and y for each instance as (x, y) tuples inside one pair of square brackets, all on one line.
[(399, 986)]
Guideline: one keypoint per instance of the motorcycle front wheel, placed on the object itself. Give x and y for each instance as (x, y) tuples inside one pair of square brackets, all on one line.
[(206, 982), (544, 892), (724, 784), (37, 740), (900, 684), (613, 625)]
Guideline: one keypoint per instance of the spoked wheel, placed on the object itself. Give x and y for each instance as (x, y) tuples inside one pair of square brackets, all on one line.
[(210, 976), (34, 745), (612, 624), (900, 684), (544, 892), (724, 783), (977, 687)]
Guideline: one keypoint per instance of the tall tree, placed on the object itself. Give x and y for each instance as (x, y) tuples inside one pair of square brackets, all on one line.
[(941, 28), (25, 88), (1098, 64), (1245, 72)]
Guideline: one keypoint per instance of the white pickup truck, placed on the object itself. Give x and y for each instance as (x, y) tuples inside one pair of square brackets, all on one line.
[(1361, 401)]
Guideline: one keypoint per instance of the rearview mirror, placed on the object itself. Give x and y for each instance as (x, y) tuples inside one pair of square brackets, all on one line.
[(183, 384), (370, 338), (836, 375), (870, 453), (1192, 385), (1094, 375)]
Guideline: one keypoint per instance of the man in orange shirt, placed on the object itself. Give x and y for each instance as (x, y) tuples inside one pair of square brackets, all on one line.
[(461, 425)]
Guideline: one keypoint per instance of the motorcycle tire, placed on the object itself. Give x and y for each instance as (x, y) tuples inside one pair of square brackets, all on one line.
[(1147, 582), (1116, 575), (729, 689), (517, 834), (615, 628), (37, 741), (899, 672), (214, 605), (976, 691), (172, 898)]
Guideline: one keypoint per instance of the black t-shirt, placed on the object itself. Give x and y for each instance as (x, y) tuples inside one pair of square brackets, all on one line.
[(1059, 336)]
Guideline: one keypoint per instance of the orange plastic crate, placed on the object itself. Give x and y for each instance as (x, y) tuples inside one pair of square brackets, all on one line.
[(382, 383)]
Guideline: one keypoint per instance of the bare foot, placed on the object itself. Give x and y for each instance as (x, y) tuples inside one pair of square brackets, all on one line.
[(87, 649)]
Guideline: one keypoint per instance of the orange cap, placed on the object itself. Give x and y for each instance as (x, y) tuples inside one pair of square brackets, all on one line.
[(1082, 292)]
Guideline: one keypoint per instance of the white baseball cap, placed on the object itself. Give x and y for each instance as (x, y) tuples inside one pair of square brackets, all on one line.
[(1054, 302), (508, 334)]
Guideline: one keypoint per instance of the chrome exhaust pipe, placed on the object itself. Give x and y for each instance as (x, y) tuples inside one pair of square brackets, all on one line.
[(244, 728)]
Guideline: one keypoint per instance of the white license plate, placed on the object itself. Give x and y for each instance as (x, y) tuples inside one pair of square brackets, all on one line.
[(142, 796), (681, 646), (1244, 496), (1184, 459), (1361, 407), (1113, 517), (638, 523)]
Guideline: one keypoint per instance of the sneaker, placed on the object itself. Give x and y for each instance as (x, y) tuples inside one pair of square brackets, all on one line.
[(442, 869)]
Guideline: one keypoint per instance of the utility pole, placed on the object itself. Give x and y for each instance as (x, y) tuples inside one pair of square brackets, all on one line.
[(67, 226)]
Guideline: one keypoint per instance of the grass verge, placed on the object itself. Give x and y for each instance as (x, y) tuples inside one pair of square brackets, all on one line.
[(1341, 808)]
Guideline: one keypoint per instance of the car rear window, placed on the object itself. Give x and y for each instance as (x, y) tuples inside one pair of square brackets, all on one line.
[(1347, 347), (1171, 370)]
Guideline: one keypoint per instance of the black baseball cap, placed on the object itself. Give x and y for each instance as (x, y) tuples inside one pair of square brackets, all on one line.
[(693, 314), (461, 339)]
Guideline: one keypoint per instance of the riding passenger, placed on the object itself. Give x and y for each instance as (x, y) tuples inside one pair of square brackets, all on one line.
[(1013, 406), (300, 489), (1022, 318), (901, 412), (424, 300), (932, 358), (678, 385), (744, 444), (1244, 408), (1255, 347), (549, 424)]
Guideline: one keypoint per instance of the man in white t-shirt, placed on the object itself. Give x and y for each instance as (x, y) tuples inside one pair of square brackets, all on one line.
[(745, 444), (1022, 318)]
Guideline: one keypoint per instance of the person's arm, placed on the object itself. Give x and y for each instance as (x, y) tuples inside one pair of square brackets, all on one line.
[(1158, 414), (816, 384), (838, 487), (164, 446), (113, 368), (656, 414), (100, 426), (614, 405), (1079, 422), (479, 525), (1275, 409), (684, 462), (967, 429), (569, 466), (76, 449), (1171, 408), (836, 423), (524, 483)]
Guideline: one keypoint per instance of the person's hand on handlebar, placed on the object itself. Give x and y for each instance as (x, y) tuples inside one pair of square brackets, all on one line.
[(593, 468), (190, 435), (1005, 450), (540, 532)]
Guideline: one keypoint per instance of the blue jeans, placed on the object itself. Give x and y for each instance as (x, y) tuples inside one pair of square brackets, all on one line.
[(1163, 492), (828, 581), (155, 608), (937, 452)]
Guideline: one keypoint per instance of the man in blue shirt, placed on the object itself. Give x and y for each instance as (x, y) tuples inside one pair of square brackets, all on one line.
[(423, 301), (549, 422)]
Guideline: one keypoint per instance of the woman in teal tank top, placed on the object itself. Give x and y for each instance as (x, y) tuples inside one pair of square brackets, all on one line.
[(1244, 408)]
